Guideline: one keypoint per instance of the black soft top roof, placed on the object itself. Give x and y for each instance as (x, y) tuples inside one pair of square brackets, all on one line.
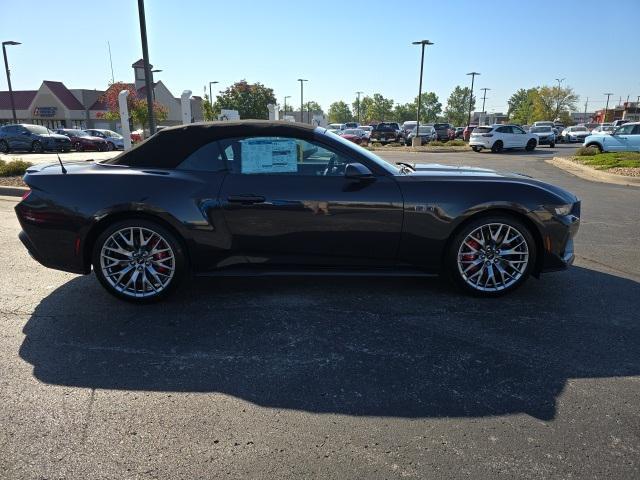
[(170, 146)]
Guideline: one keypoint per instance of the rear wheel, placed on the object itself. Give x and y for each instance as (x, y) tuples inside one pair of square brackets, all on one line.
[(531, 145), (552, 144), (110, 146), (138, 260), (78, 147), (497, 147), (36, 147), (4, 147), (491, 256)]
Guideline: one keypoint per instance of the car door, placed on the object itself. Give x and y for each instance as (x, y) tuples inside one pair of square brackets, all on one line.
[(287, 201), (506, 136), (519, 137), (621, 139)]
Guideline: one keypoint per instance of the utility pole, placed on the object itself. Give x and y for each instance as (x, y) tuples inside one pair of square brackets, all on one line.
[(210, 95), (147, 69), (113, 80), (473, 76), (302, 80), (584, 117), (358, 93), (559, 80), (6, 67), (423, 43), (484, 98), (285, 105), (606, 109), (637, 102)]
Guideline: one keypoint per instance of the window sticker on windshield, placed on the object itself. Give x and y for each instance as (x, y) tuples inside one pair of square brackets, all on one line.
[(268, 155)]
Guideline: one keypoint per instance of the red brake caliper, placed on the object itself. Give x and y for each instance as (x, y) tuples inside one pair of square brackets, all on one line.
[(471, 256)]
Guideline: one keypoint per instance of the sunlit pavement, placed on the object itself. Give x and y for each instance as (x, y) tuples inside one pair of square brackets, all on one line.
[(332, 378)]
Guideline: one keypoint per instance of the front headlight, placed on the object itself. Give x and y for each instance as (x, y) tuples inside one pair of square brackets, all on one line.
[(561, 210)]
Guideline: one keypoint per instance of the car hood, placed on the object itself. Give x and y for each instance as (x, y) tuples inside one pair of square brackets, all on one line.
[(431, 170)]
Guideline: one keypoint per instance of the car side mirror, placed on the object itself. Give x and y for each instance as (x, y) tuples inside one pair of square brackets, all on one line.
[(357, 171)]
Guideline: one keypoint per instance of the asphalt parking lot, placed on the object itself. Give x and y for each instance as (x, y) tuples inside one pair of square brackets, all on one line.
[(332, 378)]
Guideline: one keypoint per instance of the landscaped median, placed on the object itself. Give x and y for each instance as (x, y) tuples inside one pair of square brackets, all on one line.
[(433, 147), (11, 174), (622, 168)]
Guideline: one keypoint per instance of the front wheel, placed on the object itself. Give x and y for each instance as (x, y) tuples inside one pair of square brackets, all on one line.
[(78, 147), (491, 256), (531, 146), (36, 147), (476, 149), (138, 260), (110, 146), (552, 145), (4, 147), (596, 146)]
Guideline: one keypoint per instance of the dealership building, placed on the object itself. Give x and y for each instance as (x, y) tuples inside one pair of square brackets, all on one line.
[(56, 106)]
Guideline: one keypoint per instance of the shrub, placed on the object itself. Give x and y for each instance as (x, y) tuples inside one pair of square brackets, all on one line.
[(13, 168), (436, 143), (587, 151), (456, 143)]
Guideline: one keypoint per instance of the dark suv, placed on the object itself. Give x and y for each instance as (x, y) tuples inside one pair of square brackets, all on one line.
[(31, 138), (386, 132), (442, 130)]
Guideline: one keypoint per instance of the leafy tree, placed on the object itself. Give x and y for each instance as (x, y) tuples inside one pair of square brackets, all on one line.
[(550, 102), (208, 112), (458, 105), (313, 106), (365, 107), (379, 108), (250, 100), (339, 112), (430, 108), (521, 106), (136, 105)]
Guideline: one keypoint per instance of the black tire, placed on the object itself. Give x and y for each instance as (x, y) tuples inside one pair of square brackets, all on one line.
[(451, 256), (110, 146), (78, 147), (596, 145), (4, 147), (476, 149), (531, 145), (552, 145), (177, 248), (36, 147), (497, 147)]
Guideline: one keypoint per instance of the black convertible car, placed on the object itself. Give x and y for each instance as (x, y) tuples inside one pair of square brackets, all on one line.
[(272, 198)]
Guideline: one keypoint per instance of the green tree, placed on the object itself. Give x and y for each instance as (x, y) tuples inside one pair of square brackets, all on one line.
[(313, 106), (551, 102), (339, 112), (208, 112), (365, 107), (430, 108), (250, 100), (458, 105), (521, 106), (379, 109)]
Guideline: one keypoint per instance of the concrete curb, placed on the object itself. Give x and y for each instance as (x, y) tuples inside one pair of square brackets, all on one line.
[(411, 150), (592, 174), (12, 191)]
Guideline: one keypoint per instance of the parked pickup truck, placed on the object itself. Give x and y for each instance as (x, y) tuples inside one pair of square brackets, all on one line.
[(386, 133)]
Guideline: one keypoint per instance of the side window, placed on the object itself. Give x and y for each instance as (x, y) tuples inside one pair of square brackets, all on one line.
[(636, 130), (281, 156), (517, 130), (625, 130), (503, 130), (205, 159)]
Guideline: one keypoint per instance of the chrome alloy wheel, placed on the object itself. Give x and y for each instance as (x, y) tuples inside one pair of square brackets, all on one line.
[(493, 257), (137, 262)]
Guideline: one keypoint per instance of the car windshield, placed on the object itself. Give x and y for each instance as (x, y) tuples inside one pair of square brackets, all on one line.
[(440, 126), (423, 130), (540, 129), (37, 129), (370, 155), (112, 134)]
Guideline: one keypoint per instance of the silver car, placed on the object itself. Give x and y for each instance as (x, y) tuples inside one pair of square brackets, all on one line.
[(575, 134), (115, 141)]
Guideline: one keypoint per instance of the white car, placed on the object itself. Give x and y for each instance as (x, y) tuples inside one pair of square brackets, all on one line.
[(623, 139), (575, 134), (498, 137), (367, 130), (605, 129), (336, 126)]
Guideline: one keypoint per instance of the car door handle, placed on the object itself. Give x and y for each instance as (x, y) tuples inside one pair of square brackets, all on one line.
[(245, 199)]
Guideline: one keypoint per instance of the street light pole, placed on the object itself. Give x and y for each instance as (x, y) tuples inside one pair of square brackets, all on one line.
[(6, 67), (210, 95), (302, 80), (606, 109), (285, 104), (473, 76), (147, 73), (559, 80), (153, 83), (422, 43), (484, 98), (358, 93)]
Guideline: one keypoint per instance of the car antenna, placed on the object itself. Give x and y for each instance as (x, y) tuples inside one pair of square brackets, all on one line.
[(64, 170)]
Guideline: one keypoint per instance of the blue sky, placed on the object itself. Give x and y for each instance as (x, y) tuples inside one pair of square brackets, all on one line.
[(341, 47)]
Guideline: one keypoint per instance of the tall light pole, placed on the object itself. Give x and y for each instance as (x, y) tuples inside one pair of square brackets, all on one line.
[(423, 43), (606, 109), (584, 117), (6, 67), (484, 98), (210, 95), (285, 103), (473, 76), (559, 80), (147, 73), (358, 93), (302, 80), (153, 87)]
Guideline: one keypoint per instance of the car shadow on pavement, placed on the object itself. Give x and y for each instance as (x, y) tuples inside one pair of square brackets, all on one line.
[(385, 347)]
